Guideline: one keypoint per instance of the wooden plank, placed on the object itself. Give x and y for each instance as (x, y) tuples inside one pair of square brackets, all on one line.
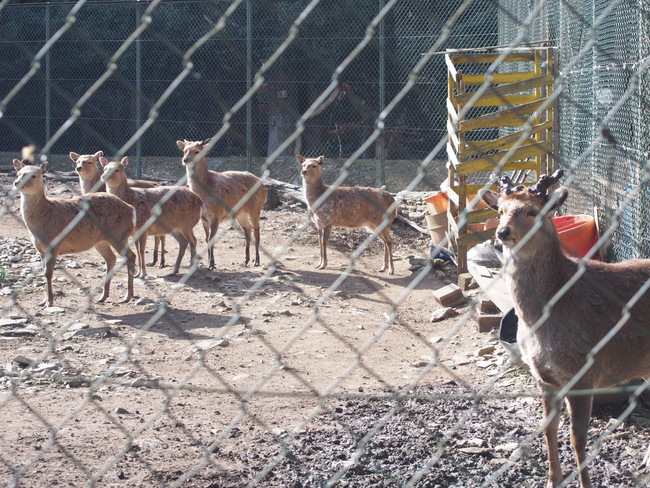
[(510, 117), (501, 91), (494, 287), (505, 101), (453, 159), (499, 77), (488, 58), (451, 111), (487, 164), (451, 69), (453, 137), (474, 148)]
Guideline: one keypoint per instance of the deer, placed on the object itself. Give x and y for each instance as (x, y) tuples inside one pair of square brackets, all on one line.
[(88, 169), (226, 194), (353, 207), (60, 226), (179, 211), (595, 334)]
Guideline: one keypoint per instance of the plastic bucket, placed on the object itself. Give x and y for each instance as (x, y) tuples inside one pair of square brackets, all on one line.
[(578, 234), (437, 225), (438, 203)]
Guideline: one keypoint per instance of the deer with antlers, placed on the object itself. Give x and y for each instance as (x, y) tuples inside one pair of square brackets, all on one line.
[(580, 327)]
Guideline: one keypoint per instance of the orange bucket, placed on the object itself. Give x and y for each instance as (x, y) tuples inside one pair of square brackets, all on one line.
[(437, 203), (578, 234)]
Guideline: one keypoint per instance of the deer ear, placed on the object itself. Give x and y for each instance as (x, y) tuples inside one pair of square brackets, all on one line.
[(103, 161), (491, 199), (206, 142), (559, 196), (320, 159), (44, 167), (301, 159), (125, 161), (98, 154), (180, 145), (74, 156), (18, 164)]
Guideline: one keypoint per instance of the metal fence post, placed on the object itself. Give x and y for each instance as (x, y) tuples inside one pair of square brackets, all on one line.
[(138, 90)]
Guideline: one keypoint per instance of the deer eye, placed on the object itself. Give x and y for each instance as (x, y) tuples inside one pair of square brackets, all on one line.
[(533, 213)]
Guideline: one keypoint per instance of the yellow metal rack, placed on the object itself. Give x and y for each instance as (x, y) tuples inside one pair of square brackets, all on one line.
[(507, 95)]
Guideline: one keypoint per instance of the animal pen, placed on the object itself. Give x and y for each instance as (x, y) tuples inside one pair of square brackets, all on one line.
[(280, 374)]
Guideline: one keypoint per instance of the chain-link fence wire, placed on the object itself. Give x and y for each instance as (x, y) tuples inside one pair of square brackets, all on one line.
[(417, 433)]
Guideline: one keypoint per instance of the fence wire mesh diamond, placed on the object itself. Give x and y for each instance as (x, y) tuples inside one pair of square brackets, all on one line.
[(262, 338)]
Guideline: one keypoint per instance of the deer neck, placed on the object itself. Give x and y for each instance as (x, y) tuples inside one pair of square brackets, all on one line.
[(535, 277), (88, 185), (197, 175), (122, 191), (314, 190), (34, 208)]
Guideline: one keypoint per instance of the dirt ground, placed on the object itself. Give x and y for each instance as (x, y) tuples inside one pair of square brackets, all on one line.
[(277, 375)]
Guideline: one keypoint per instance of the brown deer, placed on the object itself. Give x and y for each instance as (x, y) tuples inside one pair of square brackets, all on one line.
[(237, 194), (87, 167), (58, 226), (178, 212), (352, 207), (563, 323)]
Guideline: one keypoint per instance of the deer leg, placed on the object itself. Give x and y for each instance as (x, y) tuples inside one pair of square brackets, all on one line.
[(182, 246), (388, 252), (104, 249), (552, 419), (211, 232), (246, 226), (256, 233), (156, 244), (140, 246), (580, 413), (49, 260), (323, 236), (191, 239)]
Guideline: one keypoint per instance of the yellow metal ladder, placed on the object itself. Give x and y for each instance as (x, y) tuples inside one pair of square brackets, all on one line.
[(506, 94)]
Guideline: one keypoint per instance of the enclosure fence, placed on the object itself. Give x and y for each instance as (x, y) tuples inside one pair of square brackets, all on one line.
[(272, 375)]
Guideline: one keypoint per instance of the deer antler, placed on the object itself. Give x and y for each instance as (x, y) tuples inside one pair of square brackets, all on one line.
[(540, 188), (505, 185)]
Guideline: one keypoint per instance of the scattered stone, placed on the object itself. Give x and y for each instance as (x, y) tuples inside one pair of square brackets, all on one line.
[(23, 361), (211, 344), (78, 326), (87, 332), (143, 301), (507, 447), (144, 383), (18, 332), (53, 310), (486, 350), (121, 411), (12, 322), (480, 451), (449, 296), (442, 314), (435, 340)]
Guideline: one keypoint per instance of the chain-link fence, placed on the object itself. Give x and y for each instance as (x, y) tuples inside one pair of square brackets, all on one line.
[(282, 374)]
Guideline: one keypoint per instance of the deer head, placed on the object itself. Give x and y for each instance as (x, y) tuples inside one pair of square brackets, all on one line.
[(519, 207)]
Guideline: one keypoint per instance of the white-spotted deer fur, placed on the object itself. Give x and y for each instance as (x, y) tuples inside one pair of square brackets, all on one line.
[(221, 192), (87, 167), (352, 207), (558, 346), (180, 212), (107, 223)]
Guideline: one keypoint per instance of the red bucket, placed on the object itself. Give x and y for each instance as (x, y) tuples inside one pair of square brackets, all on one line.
[(578, 234)]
